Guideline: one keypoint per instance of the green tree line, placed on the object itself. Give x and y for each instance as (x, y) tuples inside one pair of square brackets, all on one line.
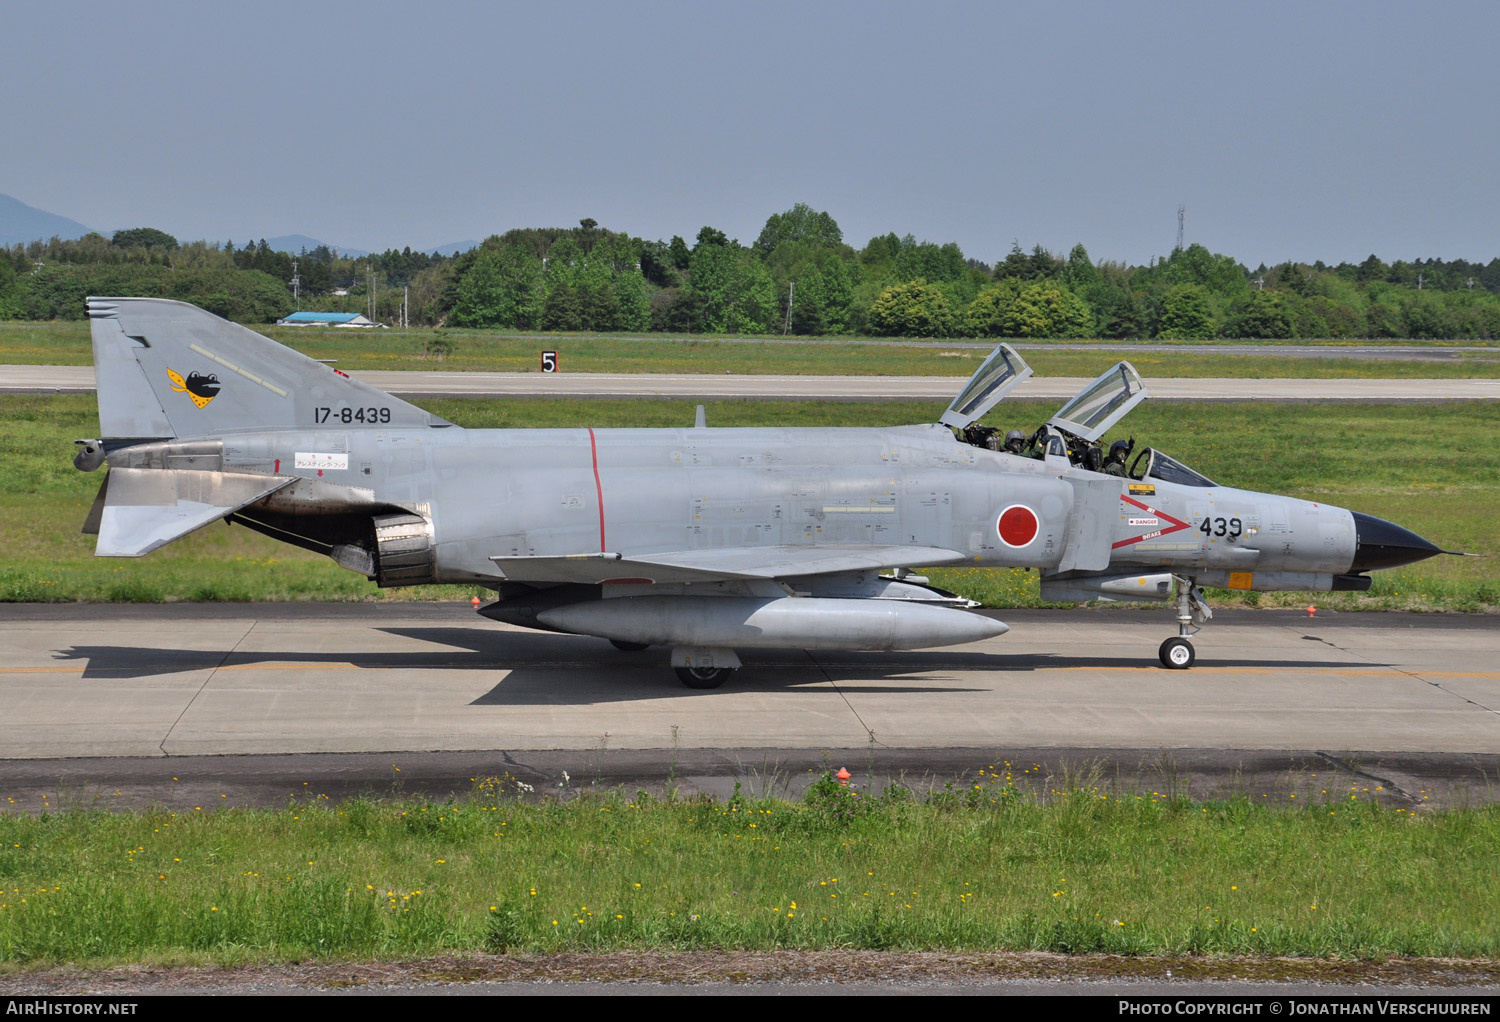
[(798, 276)]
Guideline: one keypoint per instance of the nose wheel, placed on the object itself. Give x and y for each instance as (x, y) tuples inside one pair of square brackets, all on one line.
[(1193, 613), (1177, 654)]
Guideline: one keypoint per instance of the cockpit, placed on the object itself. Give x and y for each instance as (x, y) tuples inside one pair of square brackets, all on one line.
[(1073, 432), (1153, 464)]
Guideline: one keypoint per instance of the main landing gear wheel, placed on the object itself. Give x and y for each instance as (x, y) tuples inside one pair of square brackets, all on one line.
[(629, 647), (704, 677), (1177, 654)]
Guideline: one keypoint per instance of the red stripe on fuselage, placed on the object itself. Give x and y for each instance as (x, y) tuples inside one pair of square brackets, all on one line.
[(598, 486), (1177, 523)]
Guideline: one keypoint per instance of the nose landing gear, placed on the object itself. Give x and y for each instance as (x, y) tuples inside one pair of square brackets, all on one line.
[(1193, 613)]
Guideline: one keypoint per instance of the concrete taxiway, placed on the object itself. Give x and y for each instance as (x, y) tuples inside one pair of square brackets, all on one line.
[(706, 386), (326, 678), (190, 705)]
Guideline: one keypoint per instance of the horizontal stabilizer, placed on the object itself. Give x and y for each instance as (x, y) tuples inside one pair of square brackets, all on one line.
[(145, 508), (721, 565)]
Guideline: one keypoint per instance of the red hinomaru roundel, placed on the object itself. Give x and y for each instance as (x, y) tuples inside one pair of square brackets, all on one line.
[(1017, 525)]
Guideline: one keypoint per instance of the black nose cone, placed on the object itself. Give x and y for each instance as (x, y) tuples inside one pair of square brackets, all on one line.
[(1382, 544)]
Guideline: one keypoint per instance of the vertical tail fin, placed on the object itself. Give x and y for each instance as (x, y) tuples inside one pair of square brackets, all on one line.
[(169, 369)]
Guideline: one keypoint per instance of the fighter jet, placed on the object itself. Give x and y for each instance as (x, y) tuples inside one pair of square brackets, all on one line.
[(698, 539)]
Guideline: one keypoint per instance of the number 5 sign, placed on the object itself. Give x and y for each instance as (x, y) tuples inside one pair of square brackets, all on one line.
[(549, 361)]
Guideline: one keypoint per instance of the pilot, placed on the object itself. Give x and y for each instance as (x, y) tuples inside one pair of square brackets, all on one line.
[(1015, 442), (1114, 465)]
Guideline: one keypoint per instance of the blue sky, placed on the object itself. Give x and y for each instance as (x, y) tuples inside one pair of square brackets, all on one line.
[(1289, 130)]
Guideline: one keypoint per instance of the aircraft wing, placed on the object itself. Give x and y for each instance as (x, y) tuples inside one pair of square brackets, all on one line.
[(724, 565)]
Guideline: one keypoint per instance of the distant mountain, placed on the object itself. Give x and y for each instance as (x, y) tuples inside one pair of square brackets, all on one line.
[(293, 244), (20, 223), (453, 248)]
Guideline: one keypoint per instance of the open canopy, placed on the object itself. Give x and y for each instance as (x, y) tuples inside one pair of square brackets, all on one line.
[(1101, 404), (995, 378)]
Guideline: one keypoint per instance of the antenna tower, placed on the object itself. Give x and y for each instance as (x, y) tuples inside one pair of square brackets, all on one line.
[(1181, 217)]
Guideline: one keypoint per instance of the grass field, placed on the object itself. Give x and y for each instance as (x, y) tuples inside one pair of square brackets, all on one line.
[(1433, 469), (978, 867), (492, 351)]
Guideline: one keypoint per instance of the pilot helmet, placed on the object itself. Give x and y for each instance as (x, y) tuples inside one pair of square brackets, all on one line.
[(1015, 435), (1119, 445)]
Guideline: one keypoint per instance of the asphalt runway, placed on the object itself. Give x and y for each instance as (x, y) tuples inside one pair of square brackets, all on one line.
[(417, 385), (1432, 351), (229, 704)]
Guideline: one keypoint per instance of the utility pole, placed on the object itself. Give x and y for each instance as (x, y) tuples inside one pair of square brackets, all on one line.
[(1181, 220), (296, 287), (791, 292), (1260, 283)]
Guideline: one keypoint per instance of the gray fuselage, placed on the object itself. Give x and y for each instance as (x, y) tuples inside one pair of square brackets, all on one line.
[(554, 492)]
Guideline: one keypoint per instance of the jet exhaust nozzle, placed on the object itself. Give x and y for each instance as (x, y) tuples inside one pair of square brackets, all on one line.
[(1383, 544), (90, 455)]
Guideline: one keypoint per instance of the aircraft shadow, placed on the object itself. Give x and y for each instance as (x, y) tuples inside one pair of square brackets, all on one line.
[(605, 674), (598, 673), (578, 647)]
